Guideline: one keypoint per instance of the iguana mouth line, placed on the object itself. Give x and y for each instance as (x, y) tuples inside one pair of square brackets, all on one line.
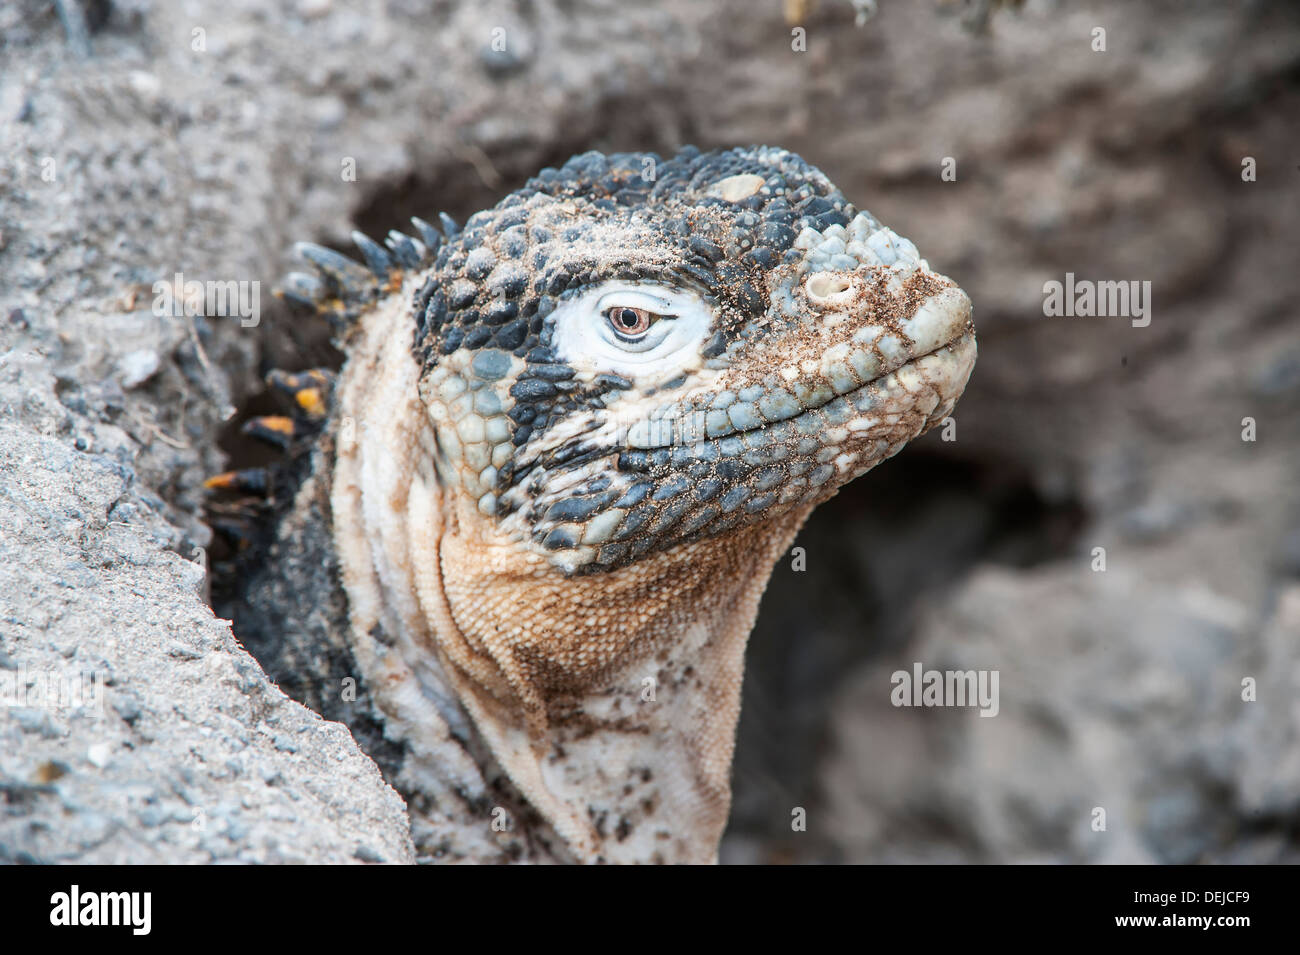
[(587, 456), (965, 335), (847, 406)]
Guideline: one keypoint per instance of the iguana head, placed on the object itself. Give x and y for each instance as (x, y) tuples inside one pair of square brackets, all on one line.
[(629, 353), (570, 446)]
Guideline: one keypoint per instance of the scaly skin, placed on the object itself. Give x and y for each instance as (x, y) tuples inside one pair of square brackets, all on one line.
[(567, 447)]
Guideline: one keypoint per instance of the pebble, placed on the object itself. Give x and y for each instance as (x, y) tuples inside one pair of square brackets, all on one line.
[(137, 367)]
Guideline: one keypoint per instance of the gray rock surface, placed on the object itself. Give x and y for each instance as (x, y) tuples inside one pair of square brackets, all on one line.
[(134, 727), (204, 138)]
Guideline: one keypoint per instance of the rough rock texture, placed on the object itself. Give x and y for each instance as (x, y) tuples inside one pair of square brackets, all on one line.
[(208, 153), (135, 728)]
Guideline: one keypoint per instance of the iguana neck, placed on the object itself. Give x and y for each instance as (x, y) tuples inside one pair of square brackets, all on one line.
[(609, 699)]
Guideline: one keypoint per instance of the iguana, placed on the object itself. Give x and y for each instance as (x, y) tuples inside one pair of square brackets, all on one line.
[(529, 523)]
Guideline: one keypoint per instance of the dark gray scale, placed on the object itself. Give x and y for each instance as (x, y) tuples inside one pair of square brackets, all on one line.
[(612, 553), (670, 514), (303, 288), (407, 251), (344, 278), (430, 236), (500, 311), (532, 389), (634, 521), (560, 538), (577, 509), (641, 545), (697, 520), (636, 461), (452, 340), (575, 452), (507, 280), (666, 490), (377, 257), (513, 335)]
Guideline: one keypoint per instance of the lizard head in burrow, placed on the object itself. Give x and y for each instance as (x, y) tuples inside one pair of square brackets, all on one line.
[(580, 437)]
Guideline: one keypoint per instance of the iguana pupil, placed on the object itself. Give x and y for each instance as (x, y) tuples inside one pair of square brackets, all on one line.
[(633, 321)]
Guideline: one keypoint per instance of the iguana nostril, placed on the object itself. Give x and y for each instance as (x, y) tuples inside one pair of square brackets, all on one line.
[(824, 289)]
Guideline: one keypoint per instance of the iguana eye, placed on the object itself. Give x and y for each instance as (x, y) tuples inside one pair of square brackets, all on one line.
[(649, 331), (629, 322)]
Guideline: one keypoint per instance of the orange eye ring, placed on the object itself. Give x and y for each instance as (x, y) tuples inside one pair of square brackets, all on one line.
[(629, 322)]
